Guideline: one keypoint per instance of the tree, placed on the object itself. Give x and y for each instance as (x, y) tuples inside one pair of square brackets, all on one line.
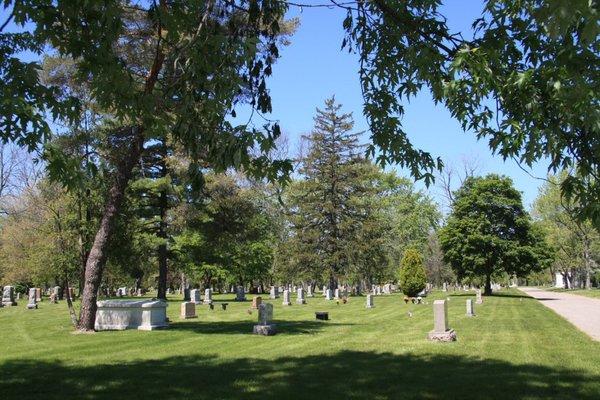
[(411, 275), (324, 207), (488, 232), (524, 80), (575, 240), (173, 67)]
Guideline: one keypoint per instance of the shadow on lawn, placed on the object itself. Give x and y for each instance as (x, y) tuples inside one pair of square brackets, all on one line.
[(494, 294), (343, 375), (245, 327)]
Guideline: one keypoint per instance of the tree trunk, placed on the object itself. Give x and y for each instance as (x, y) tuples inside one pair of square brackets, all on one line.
[(162, 233), (488, 285), (98, 254), (588, 263)]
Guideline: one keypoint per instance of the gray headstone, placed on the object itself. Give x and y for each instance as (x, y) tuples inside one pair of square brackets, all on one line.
[(8, 296), (273, 293), (328, 294), (32, 304), (240, 294), (286, 298), (470, 311), (441, 331)]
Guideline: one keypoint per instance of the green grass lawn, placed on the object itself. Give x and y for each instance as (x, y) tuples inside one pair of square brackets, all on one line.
[(594, 293), (513, 349)]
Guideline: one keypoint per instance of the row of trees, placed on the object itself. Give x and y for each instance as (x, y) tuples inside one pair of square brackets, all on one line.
[(163, 77)]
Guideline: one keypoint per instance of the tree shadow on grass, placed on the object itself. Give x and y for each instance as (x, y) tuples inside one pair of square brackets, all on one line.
[(245, 327), (494, 294), (342, 375)]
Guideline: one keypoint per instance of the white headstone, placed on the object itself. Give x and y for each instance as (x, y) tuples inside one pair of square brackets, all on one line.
[(337, 294), (441, 331), (300, 296), (309, 291), (32, 304), (208, 296), (479, 299), (273, 294), (370, 301), (445, 287), (8, 296), (286, 298), (195, 296), (328, 294)]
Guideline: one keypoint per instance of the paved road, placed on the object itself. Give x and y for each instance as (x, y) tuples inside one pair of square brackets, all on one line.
[(583, 312)]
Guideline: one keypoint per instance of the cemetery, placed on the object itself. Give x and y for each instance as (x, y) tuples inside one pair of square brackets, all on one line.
[(257, 199)]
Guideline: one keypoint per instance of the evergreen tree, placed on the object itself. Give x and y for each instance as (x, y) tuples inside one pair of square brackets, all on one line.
[(324, 207), (412, 276)]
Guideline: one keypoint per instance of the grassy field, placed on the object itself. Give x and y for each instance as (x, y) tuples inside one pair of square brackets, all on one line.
[(594, 293), (514, 348)]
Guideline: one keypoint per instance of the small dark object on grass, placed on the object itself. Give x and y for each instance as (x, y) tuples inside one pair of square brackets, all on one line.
[(322, 315), (224, 306), (212, 306), (344, 300)]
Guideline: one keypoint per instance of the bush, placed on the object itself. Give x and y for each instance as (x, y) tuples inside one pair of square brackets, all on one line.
[(412, 273)]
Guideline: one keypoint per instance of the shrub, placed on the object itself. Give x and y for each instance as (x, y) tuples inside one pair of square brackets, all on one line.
[(412, 273)]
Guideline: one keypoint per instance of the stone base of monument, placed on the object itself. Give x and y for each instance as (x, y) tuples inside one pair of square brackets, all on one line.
[(300, 301), (9, 303), (265, 330), (32, 306), (286, 303), (448, 336), (144, 315)]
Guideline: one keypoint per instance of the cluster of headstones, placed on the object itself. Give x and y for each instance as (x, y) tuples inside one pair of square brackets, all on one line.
[(34, 297)]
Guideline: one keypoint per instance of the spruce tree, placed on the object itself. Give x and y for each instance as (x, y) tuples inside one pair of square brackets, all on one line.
[(324, 203)]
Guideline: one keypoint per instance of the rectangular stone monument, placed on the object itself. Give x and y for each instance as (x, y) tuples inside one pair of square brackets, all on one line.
[(273, 293), (470, 312), (32, 304), (300, 296), (256, 302), (324, 291), (144, 315), (286, 298), (195, 296), (188, 310), (265, 317), (445, 287), (309, 291), (186, 294), (208, 296), (370, 301), (328, 294), (240, 294), (479, 299), (38, 294), (139, 292), (441, 331), (8, 296), (336, 294)]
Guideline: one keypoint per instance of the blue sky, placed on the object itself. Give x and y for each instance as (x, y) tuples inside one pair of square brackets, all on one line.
[(313, 68)]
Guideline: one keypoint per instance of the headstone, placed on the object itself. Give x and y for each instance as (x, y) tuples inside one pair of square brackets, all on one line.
[(370, 301), (139, 292), (286, 298), (240, 295), (265, 317), (188, 310), (144, 315), (186, 294), (309, 291), (378, 288), (70, 293), (295, 289), (324, 291), (445, 287), (256, 302), (195, 296), (300, 296), (337, 294), (38, 294), (8, 296), (322, 315), (208, 296), (479, 299), (328, 294), (168, 290), (470, 312), (32, 304), (441, 331), (273, 293), (374, 290)]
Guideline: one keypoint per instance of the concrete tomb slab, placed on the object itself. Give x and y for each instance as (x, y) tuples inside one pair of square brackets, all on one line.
[(145, 315)]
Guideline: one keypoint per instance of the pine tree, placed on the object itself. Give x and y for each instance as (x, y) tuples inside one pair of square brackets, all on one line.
[(324, 204)]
